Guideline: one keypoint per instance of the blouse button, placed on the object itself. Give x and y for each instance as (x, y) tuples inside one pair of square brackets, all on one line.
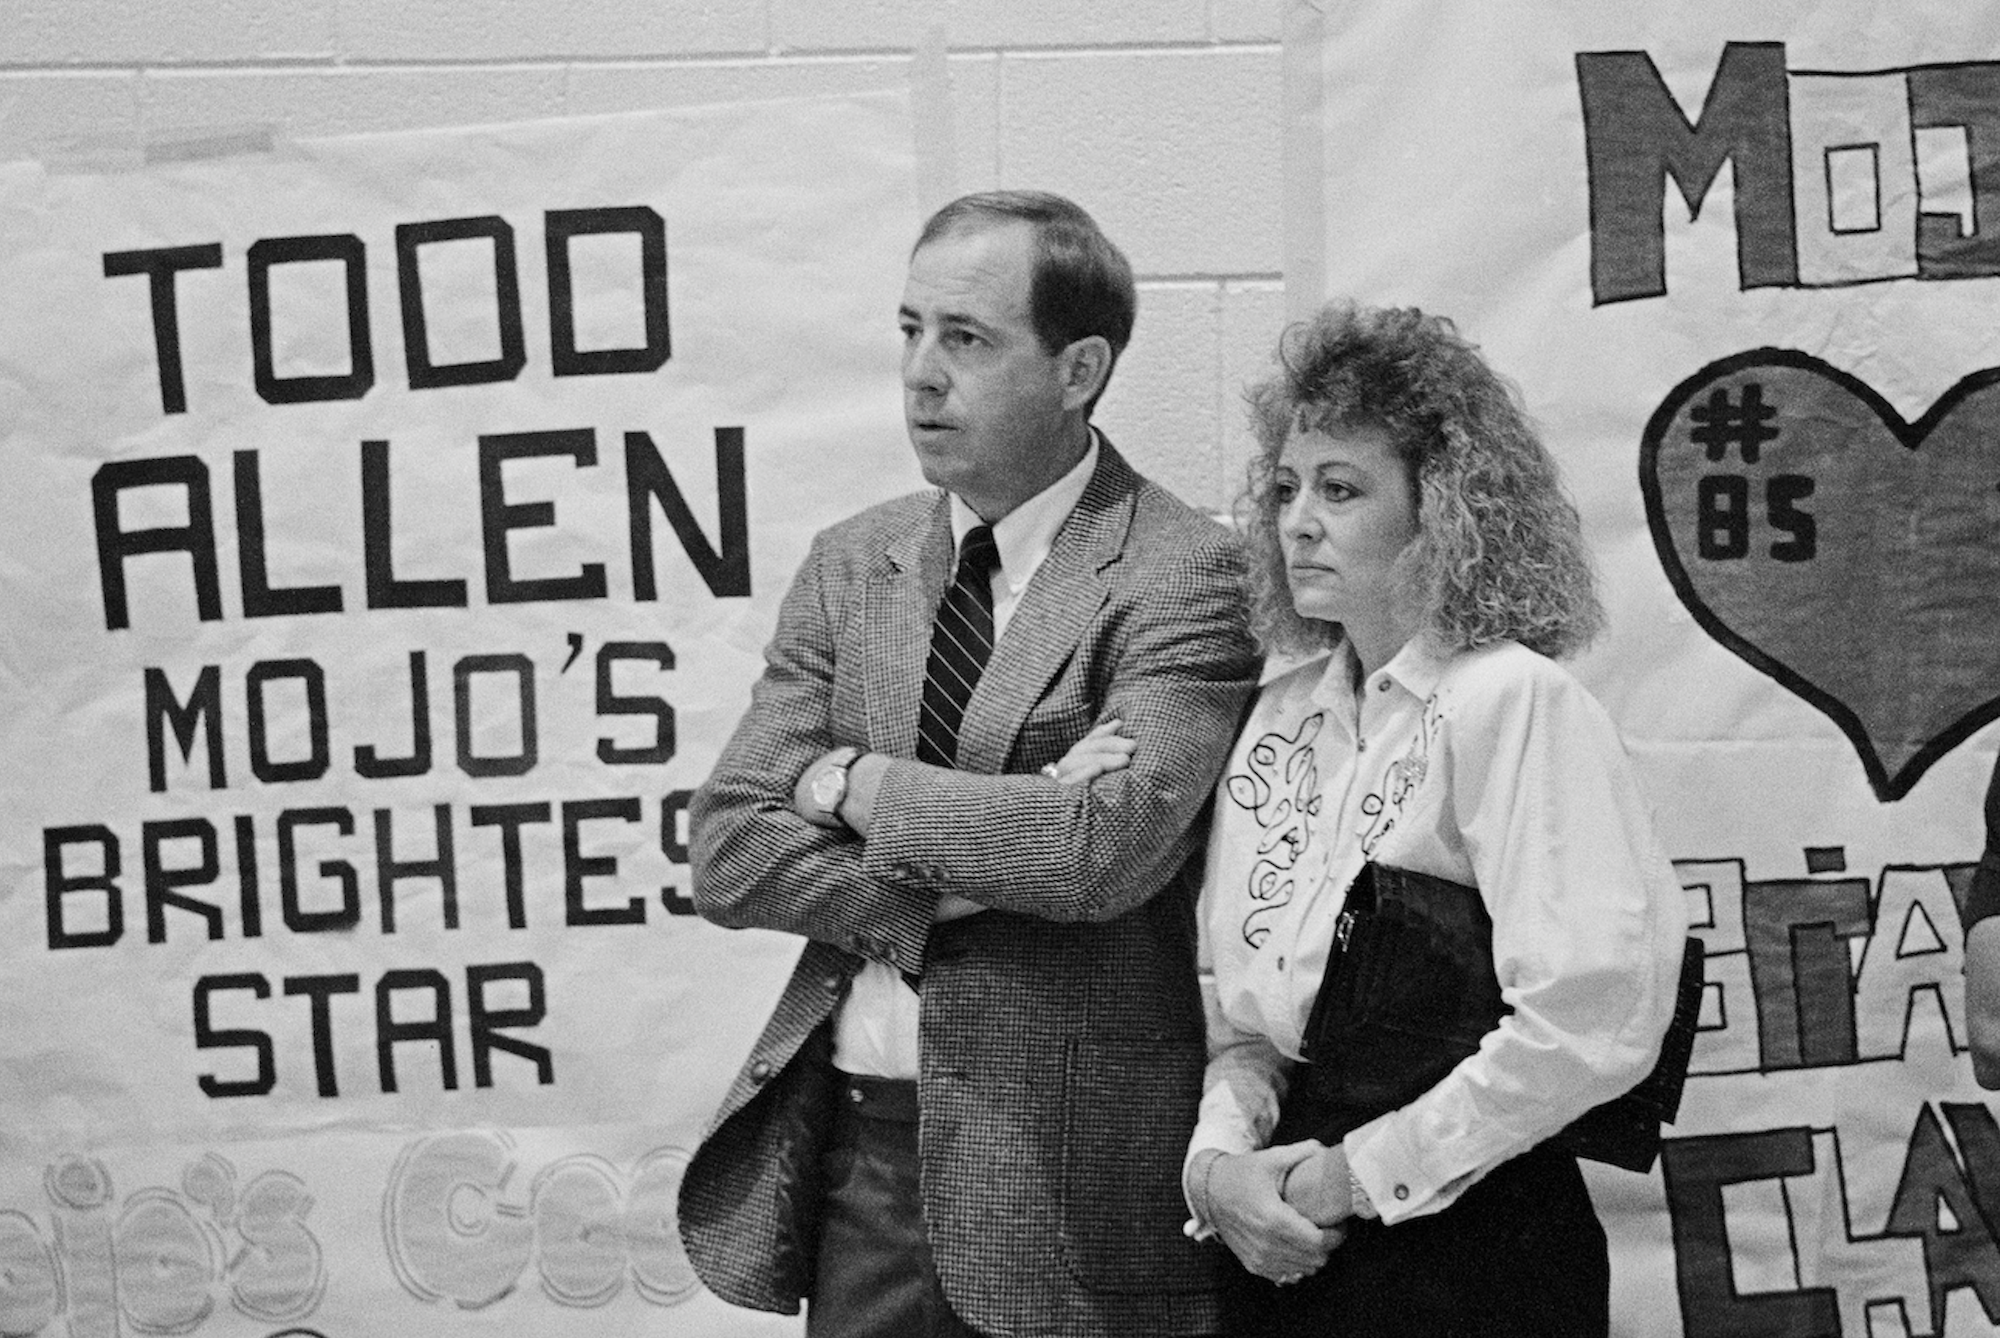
[(1281, 963), (1402, 1191), (1361, 746), (1383, 686)]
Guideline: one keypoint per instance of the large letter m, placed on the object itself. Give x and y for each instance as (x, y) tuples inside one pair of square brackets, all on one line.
[(1636, 136)]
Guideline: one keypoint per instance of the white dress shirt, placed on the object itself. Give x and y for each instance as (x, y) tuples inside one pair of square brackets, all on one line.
[(875, 1029), (1494, 768)]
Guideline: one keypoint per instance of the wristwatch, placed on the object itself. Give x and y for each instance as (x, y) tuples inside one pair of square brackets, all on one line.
[(829, 784)]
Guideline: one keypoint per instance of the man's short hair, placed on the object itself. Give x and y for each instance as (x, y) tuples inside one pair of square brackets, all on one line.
[(1082, 283)]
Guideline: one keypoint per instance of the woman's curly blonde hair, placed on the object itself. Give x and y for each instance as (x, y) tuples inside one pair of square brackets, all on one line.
[(1499, 549)]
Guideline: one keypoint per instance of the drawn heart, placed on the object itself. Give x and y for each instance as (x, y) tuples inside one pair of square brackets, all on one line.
[(1852, 556)]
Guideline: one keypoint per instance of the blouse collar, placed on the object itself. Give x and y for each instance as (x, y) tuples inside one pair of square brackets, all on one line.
[(1416, 668)]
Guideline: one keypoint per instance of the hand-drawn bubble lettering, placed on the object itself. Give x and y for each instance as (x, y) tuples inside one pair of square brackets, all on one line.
[(462, 1225)]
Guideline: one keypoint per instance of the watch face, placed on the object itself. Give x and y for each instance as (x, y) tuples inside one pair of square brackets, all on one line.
[(829, 786)]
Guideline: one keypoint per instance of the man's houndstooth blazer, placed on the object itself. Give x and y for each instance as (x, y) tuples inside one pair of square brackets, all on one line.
[(1061, 1038)]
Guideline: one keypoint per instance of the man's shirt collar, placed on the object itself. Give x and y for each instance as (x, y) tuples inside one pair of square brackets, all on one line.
[(1025, 535)]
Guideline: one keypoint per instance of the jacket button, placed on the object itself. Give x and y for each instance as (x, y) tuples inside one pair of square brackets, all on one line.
[(832, 983), (1402, 1191), (760, 1070)]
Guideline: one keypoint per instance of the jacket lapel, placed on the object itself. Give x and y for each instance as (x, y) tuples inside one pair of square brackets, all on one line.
[(1059, 603), (903, 594)]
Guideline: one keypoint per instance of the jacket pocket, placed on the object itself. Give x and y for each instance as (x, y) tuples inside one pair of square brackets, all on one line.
[(1128, 1107), (1051, 729)]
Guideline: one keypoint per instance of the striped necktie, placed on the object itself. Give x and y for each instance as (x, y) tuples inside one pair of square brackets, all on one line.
[(961, 640)]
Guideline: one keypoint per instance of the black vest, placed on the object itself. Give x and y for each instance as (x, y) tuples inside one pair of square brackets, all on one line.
[(1409, 992)]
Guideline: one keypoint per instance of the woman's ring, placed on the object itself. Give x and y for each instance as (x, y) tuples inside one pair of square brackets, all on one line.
[(1051, 772)]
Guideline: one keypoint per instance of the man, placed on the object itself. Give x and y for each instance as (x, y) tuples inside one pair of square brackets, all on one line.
[(967, 1113)]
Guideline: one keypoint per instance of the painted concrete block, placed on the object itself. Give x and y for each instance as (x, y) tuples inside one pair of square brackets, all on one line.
[(310, 102), (97, 32), (1161, 406), (866, 25), (1248, 20), (1176, 152), (1253, 317), (42, 114), (511, 30)]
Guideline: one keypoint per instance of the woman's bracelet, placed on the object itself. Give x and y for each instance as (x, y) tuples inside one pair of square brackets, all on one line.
[(1204, 1204)]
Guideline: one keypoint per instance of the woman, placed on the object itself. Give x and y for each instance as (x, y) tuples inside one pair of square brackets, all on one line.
[(1411, 536)]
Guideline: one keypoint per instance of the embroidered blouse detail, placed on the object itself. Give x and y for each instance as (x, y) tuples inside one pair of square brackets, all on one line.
[(1491, 767)]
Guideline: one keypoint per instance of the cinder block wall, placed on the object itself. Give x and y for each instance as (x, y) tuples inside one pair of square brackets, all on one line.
[(1160, 116)]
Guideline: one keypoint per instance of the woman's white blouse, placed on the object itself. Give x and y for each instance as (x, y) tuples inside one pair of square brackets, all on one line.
[(1491, 767)]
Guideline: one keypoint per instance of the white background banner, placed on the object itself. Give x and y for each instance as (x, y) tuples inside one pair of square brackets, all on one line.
[(393, 526), (1741, 261)]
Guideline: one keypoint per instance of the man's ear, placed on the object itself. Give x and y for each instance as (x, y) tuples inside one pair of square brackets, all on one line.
[(1084, 366)]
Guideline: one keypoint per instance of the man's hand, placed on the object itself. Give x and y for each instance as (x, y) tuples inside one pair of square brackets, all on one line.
[(1102, 750)]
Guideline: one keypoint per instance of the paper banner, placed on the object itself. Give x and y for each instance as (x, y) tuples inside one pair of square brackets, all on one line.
[(1741, 262), (392, 528)]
